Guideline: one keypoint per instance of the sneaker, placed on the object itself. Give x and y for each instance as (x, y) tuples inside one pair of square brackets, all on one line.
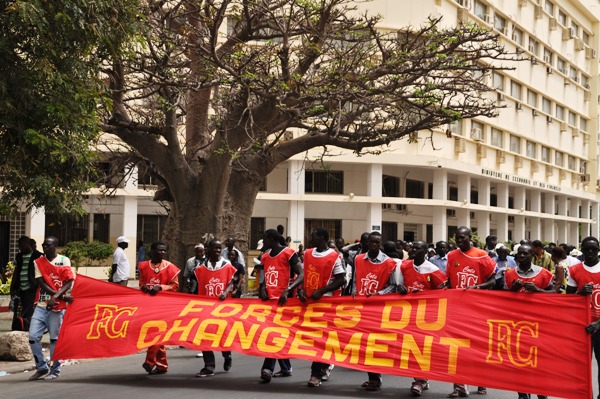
[(199, 354), (416, 388), (147, 367), (327, 373), (282, 373), (227, 364), (51, 377), (205, 373), (314, 382), (158, 371), (38, 374), (373, 385), (266, 375)]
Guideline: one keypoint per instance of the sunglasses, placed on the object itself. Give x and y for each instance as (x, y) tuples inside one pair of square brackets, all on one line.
[(45, 245)]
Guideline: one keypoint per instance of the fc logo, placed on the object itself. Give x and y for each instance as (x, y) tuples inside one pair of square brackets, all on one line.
[(510, 342), (110, 321)]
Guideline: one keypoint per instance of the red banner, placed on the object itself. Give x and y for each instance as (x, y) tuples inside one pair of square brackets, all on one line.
[(510, 341)]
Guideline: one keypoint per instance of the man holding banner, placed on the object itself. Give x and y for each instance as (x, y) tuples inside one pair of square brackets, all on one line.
[(376, 274), (324, 275), (584, 279), (157, 274), (278, 261), (468, 268)]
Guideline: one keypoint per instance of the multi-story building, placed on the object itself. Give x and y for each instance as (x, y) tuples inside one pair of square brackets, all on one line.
[(531, 172)]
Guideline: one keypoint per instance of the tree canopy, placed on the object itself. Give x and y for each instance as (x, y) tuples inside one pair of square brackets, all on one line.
[(213, 94)]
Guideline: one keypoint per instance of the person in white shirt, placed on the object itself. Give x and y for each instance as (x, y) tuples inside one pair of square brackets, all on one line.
[(120, 266)]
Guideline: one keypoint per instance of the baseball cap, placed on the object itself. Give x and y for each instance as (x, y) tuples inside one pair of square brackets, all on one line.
[(259, 245), (199, 246), (122, 239)]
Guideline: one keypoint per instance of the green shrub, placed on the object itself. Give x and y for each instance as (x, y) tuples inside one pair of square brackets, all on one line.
[(8, 273), (82, 253)]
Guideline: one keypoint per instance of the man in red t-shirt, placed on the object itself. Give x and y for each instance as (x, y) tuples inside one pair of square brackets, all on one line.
[(54, 277), (468, 268), (279, 262), (157, 274), (584, 279)]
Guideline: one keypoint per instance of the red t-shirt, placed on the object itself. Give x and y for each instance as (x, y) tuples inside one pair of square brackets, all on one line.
[(541, 279), (55, 276), (213, 282), (372, 277), (163, 274), (318, 271), (428, 277), (582, 277), (466, 269), (277, 271)]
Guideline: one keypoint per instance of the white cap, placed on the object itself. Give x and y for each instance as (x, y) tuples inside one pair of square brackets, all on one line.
[(122, 239), (199, 246), (259, 245), (500, 245)]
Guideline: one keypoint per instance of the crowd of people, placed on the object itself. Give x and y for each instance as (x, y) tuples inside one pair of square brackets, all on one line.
[(366, 267)]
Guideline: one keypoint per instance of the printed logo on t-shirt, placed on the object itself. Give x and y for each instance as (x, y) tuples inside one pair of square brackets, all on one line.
[(271, 277), (215, 287), (368, 284), (467, 278)]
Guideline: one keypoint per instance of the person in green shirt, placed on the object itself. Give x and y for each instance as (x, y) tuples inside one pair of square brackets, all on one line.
[(24, 285)]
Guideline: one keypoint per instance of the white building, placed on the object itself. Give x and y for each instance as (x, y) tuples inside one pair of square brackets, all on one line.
[(532, 172)]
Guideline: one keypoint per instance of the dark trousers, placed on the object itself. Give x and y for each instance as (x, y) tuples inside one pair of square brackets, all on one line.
[(26, 303), (209, 359), (317, 369), (375, 377), (285, 364)]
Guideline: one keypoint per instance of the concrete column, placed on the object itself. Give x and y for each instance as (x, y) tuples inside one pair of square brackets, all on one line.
[(519, 229), (296, 179), (548, 232), (35, 226), (484, 191), (562, 232), (573, 234), (520, 199), (502, 226), (464, 189), (502, 195), (130, 214), (482, 221), (440, 186), (440, 223), (374, 189), (585, 214), (594, 225), (535, 228), (535, 201)]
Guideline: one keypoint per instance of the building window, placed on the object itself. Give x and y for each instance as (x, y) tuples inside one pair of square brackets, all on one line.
[(415, 189), (571, 163), (561, 65), (545, 154), (257, 228), (547, 105), (573, 72), (562, 18), (585, 37), (531, 98), (572, 118), (583, 124), (453, 193), (517, 36), (390, 186), (500, 23), (67, 228), (389, 231), (515, 144), (477, 132), (515, 90), (101, 229), (558, 158), (548, 56), (150, 227), (533, 46), (549, 7), (333, 227), (145, 177), (497, 138), (480, 9), (324, 181), (498, 81), (560, 112), (575, 28), (530, 149), (585, 81)]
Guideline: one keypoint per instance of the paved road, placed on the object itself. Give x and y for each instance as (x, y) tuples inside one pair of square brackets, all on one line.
[(123, 377)]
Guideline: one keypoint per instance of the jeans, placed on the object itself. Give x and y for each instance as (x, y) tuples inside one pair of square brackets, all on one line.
[(210, 361), (285, 364), (45, 319)]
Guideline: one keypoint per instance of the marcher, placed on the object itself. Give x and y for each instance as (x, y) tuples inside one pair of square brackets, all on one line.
[(324, 275), (419, 274), (468, 268), (55, 278), (157, 274), (238, 277), (23, 286), (376, 274), (441, 255), (278, 263), (215, 279), (190, 282), (584, 279), (527, 277), (119, 273), (230, 246), (504, 262), (541, 257)]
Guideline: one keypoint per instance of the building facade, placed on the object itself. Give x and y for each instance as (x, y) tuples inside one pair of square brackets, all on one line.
[(531, 172)]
